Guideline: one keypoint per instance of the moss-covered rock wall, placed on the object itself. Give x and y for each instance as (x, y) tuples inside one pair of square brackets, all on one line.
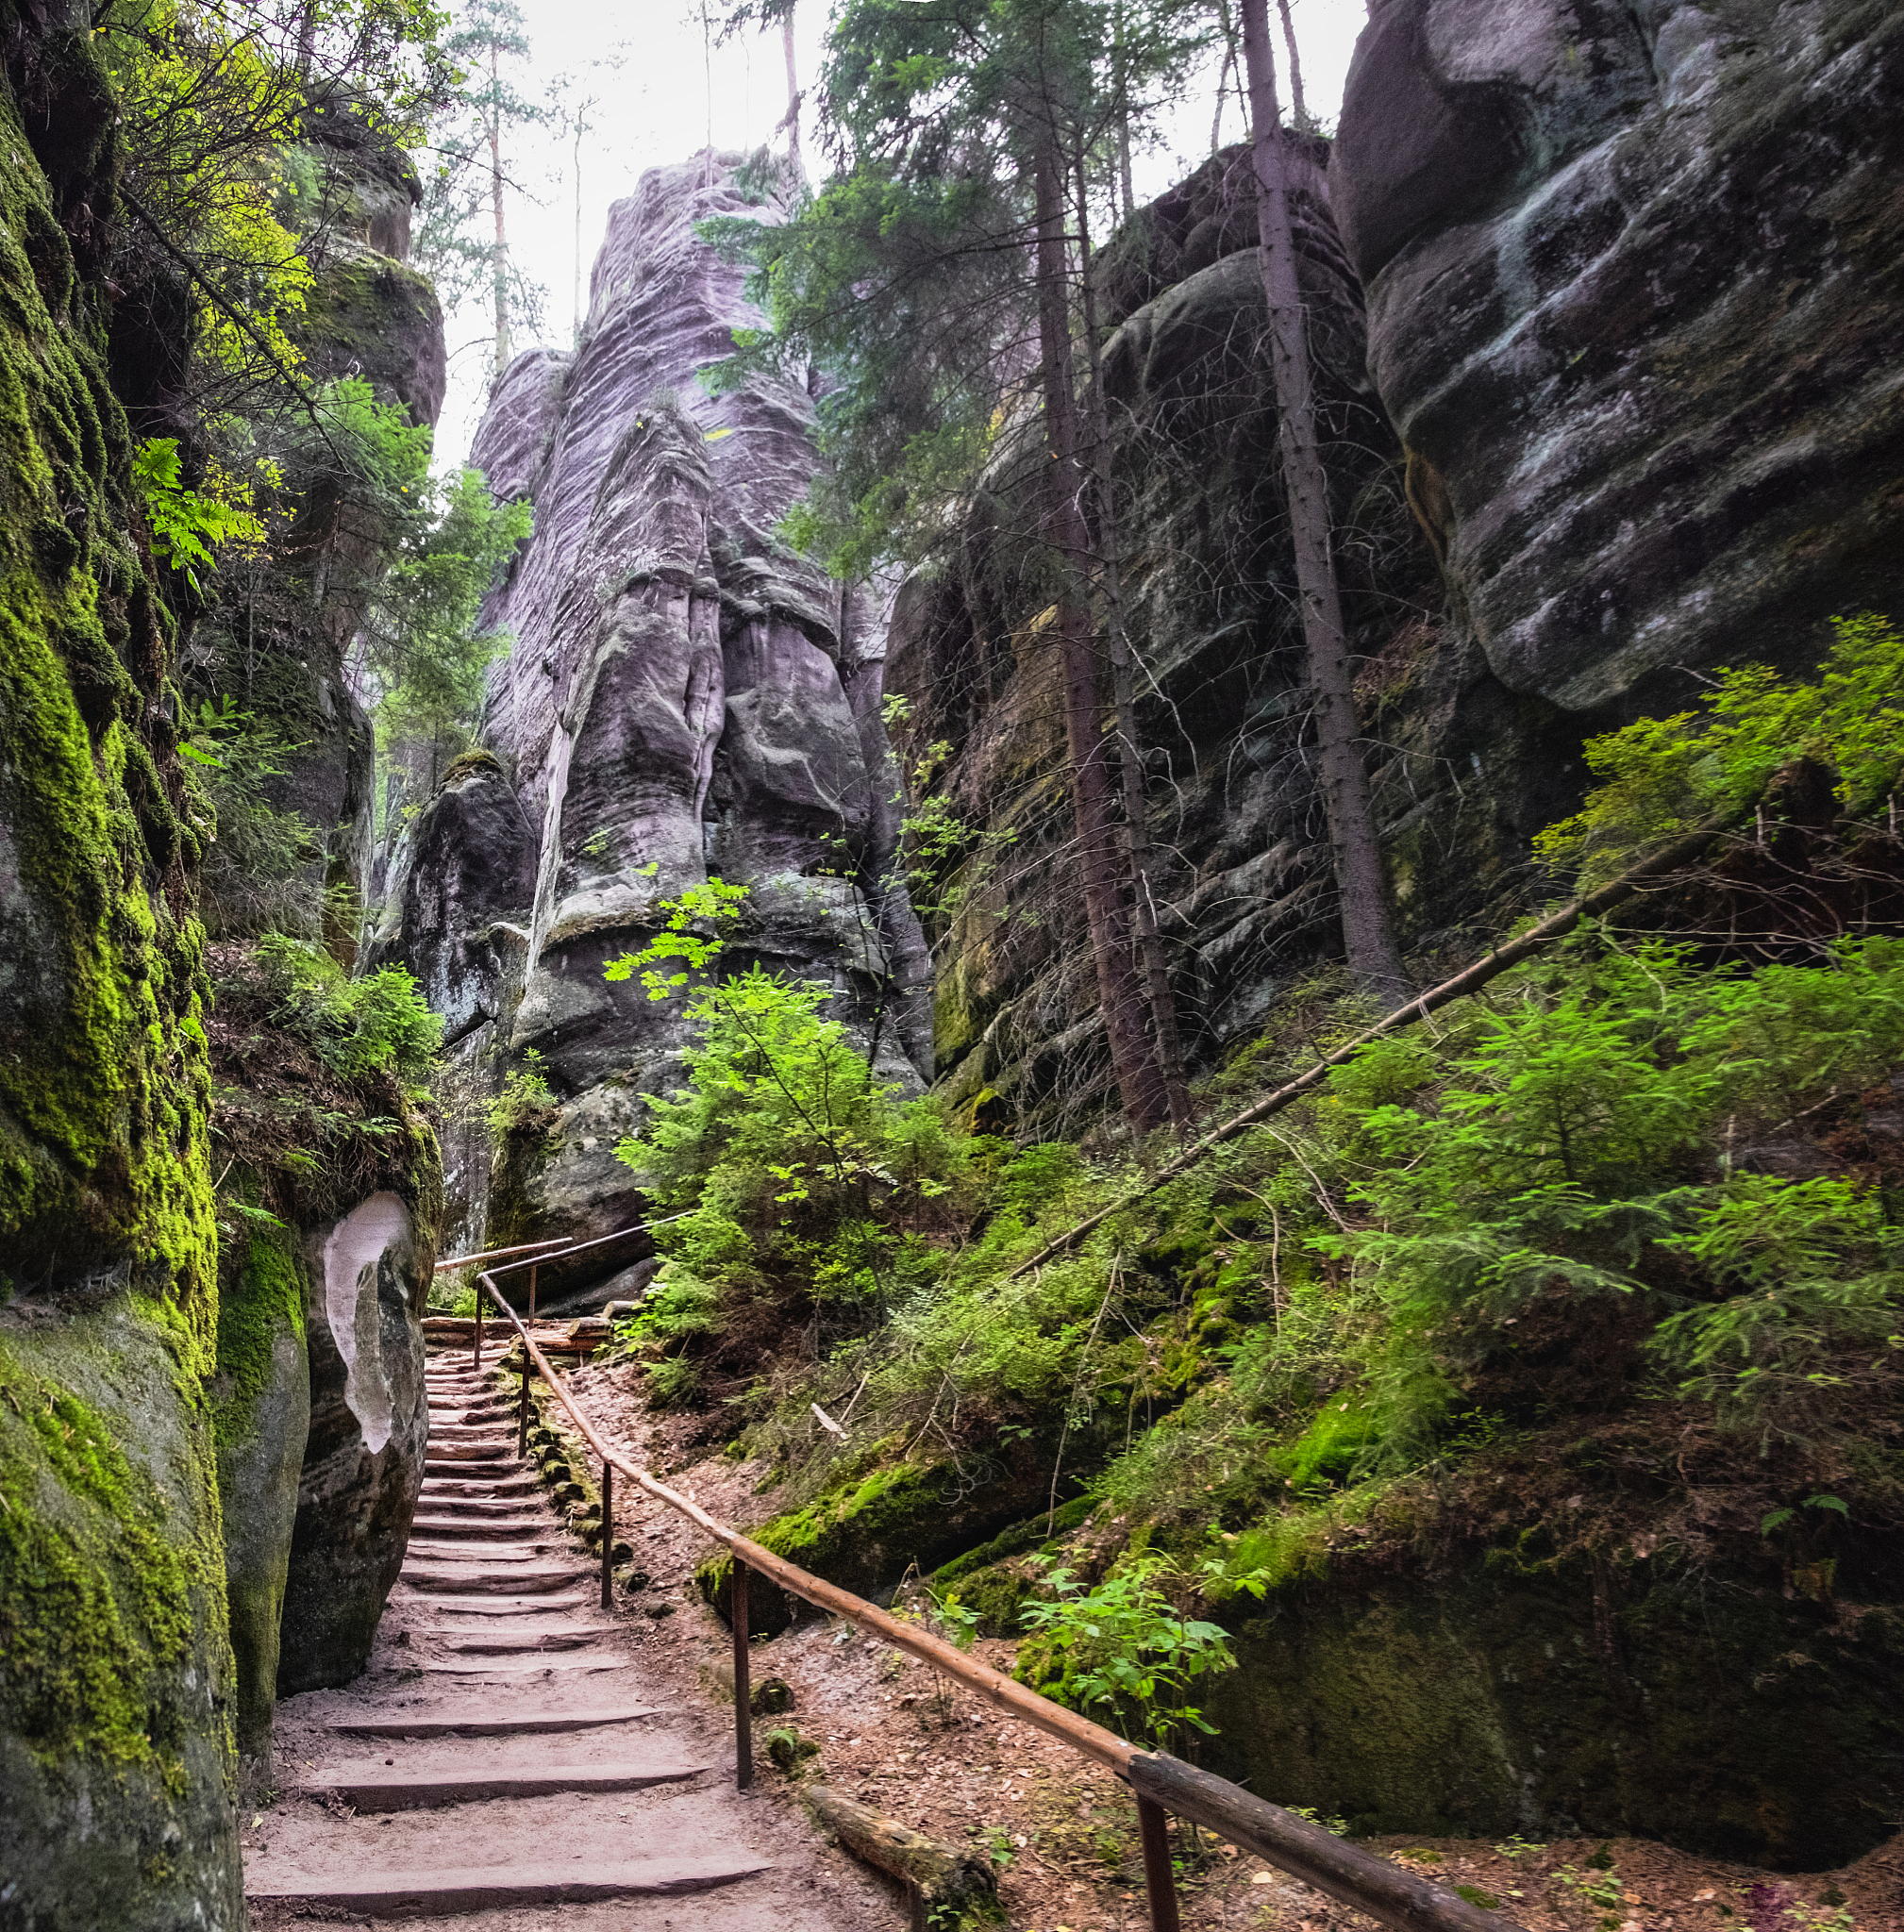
[(116, 1750), (1744, 1722)]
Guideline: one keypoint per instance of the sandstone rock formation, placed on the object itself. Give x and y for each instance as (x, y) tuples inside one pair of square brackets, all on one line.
[(362, 1463), (279, 639), (1633, 283), (115, 1665), (676, 703), (1247, 886)]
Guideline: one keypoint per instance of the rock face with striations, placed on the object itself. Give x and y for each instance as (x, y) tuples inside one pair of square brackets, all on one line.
[(685, 696), (1635, 279), (116, 1759), (1244, 880)]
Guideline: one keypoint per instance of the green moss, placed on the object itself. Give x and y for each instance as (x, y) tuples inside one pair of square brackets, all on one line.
[(257, 1302), (115, 1690), (103, 1101), (1014, 1541), (102, 1584), (469, 764)]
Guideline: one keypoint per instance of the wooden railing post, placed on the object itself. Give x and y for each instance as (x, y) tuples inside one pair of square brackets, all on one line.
[(523, 1417), (1153, 1825), (477, 1359), (607, 1531), (533, 1272), (744, 1690)]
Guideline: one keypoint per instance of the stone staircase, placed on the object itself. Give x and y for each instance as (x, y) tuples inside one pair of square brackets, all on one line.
[(500, 1752)]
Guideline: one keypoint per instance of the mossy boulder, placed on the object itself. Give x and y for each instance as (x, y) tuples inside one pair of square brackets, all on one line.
[(262, 1419), (1714, 1713), (116, 1682), (867, 1533)]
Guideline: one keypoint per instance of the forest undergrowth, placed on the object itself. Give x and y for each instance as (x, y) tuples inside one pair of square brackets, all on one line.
[(1603, 1264)]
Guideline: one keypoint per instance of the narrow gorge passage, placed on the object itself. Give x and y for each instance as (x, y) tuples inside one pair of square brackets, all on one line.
[(507, 1756)]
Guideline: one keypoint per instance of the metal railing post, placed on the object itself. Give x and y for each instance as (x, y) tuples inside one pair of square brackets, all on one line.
[(744, 1690), (1153, 1825), (607, 1531), (522, 1418)]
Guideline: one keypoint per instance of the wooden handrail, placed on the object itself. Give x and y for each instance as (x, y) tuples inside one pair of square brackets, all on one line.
[(496, 1254), (1396, 1897)]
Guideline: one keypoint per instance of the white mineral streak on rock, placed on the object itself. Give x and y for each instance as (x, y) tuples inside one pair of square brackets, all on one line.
[(351, 1257)]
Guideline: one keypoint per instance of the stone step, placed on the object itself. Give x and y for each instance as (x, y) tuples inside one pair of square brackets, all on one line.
[(479, 1489), (511, 1502), (584, 1599), (520, 1580), (590, 1663), (468, 1452), (463, 1889), (486, 1555), (515, 1724), (381, 1787), (520, 1641), (500, 1526)]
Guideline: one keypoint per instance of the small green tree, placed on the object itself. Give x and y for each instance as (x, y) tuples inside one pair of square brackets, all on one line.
[(794, 1173)]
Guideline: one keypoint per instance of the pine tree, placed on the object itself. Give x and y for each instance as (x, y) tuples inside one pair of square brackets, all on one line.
[(462, 242), (936, 278), (1367, 929)]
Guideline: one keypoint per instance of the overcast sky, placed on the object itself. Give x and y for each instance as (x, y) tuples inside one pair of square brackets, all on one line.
[(661, 94)]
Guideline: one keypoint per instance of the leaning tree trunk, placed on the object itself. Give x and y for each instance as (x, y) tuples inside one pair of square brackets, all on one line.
[(1150, 949), (1138, 1082), (1367, 933)]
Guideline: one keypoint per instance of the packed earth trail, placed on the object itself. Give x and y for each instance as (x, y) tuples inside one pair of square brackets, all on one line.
[(506, 1755)]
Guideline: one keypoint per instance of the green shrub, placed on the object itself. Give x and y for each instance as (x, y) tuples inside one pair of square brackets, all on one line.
[(792, 1170), (356, 1026), (1661, 776), (1121, 1651)]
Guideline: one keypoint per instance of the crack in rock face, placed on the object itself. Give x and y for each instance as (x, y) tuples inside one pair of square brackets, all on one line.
[(1633, 306)]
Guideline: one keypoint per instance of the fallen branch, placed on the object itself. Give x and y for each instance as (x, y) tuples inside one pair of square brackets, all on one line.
[(950, 1889), (1470, 979)]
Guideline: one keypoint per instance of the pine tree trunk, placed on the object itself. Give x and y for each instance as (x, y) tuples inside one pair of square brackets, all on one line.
[(1368, 935), (1138, 1079), (1156, 963), (792, 122), (502, 253), (1303, 123)]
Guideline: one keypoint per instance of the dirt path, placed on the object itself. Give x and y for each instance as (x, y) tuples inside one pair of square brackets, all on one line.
[(508, 1755)]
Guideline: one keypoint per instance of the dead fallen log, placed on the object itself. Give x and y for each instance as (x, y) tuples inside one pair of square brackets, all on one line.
[(950, 1889)]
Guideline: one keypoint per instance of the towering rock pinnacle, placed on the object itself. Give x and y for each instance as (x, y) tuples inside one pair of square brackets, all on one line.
[(684, 697)]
